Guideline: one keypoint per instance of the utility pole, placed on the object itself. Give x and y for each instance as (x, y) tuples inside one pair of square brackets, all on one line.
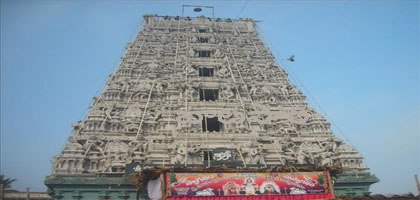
[(27, 194), (417, 184), (1, 191)]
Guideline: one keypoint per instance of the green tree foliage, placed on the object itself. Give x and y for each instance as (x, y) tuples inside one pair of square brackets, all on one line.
[(7, 182)]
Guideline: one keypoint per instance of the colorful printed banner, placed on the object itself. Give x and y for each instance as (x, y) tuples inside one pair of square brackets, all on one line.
[(299, 184)]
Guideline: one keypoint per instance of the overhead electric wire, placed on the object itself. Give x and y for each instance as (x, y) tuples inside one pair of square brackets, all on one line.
[(297, 80), (242, 9)]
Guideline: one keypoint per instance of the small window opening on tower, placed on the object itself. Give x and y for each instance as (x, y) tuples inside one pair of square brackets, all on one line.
[(206, 72), (209, 94), (204, 40), (204, 54), (113, 169), (211, 124), (202, 30), (208, 155)]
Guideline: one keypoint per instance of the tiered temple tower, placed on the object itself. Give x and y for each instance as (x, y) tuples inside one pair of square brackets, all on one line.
[(185, 88)]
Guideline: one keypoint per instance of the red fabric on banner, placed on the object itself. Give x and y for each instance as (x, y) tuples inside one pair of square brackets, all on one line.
[(273, 197), (252, 186)]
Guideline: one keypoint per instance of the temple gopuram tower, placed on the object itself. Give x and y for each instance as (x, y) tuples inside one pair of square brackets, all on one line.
[(185, 90)]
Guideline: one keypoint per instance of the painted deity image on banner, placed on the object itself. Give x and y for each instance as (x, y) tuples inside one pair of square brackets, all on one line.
[(308, 184)]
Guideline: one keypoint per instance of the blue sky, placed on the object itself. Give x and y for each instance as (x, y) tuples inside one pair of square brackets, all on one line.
[(359, 59)]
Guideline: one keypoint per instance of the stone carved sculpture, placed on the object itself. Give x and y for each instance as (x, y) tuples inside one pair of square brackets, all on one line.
[(212, 40), (252, 153), (254, 90), (227, 93), (186, 153), (191, 93), (262, 116), (137, 146), (330, 145), (160, 87), (132, 117), (71, 160), (218, 53), (115, 156), (303, 155), (191, 52), (190, 70), (95, 146), (223, 72), (194, 39)]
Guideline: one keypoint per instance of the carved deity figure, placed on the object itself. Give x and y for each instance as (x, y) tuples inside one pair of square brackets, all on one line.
[(272, 99), (255, 90), (160, 87), (137, 147), (116, 146), (116, 153), (105, 163), (193, 155), (164, 39), (252, 153), (241, 42), (190, 70), (302, 154), (191, 52), (183, 152), (223, 72), (235, 33), (158, 55), (194, 39), (227, 93), (154, 67), (284, 89), (212, 40), (324, 158), (180, 155), (94, 145), (218, 53), (329, 146), (132, 116), (192, 93), (248, 58)]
